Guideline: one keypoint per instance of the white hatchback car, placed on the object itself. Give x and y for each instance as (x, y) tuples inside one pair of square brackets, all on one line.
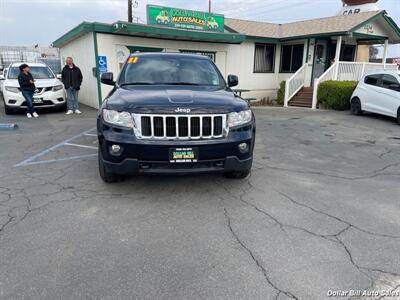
[(50, 92), (379, 93)]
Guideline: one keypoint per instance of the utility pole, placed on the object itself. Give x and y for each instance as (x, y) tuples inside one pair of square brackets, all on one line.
[(130, 12), (209, 6)]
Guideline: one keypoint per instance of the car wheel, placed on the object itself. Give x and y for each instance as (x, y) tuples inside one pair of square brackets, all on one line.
[(8, 110), (238, 174), (398, 116), (355, 106), (63, 108), (104, 174)]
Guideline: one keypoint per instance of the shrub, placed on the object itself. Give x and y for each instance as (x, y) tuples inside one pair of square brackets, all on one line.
[(336, 94), (281, 93)]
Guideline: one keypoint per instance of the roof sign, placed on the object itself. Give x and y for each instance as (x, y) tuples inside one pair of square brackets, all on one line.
[(184, 19)]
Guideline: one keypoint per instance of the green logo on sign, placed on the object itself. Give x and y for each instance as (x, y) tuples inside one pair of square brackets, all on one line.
[(184, 19)]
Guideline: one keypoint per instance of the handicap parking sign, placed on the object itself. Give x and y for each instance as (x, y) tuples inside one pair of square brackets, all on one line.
[(102, 63)]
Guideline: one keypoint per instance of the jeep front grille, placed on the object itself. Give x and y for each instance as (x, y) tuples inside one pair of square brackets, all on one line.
[(179, 126)]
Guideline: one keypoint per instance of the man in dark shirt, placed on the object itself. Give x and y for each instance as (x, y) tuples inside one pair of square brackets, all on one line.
[(72, 78), (27, 86)]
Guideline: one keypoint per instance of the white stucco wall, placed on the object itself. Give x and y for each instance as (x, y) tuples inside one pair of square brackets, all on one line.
[(82, 51), (235, 59), (230, 59), (108, 45)]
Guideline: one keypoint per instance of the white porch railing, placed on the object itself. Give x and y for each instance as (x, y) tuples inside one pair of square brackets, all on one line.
[(346, 71), (295, 83)]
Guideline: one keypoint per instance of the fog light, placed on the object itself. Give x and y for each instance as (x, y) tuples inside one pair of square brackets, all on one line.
[(243, 147), (115, 148)]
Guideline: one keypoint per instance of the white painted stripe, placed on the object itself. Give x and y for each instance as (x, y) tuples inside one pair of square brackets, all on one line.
[(32, 158), (90, 134), (81, 146), (58, 160)]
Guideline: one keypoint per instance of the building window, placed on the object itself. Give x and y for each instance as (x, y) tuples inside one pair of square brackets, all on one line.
[(205, 53), (291, 58), (264, 57)]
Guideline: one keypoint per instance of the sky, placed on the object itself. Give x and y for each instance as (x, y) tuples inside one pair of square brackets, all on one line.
[(30, 22)]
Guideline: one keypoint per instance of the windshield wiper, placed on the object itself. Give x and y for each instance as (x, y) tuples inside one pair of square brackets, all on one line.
[(181, 83), (159, 83), (136, 83)]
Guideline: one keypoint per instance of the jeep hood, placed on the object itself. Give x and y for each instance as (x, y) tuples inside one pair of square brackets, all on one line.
[(168, 99)]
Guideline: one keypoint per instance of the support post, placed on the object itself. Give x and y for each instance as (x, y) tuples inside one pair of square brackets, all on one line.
[(337, 56), (362, 71), (315, 94), (130, 11), (385, 54), (286, 100)]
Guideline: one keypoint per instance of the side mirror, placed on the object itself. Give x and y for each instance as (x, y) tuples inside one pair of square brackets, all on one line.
[(59, 76), (233, 80), (108, 78), (395, 87)]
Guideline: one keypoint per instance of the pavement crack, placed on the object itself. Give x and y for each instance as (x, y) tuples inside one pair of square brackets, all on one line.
[(375, 173), (350, 225), (255, 259)]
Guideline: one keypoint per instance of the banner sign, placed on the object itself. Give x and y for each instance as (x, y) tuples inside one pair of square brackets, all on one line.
[(184, 19)]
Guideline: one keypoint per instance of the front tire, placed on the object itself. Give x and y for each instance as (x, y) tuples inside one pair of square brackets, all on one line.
[(398, 116), (8, 110), (104, 174), (355, 107), (238, 174), (63, 108)]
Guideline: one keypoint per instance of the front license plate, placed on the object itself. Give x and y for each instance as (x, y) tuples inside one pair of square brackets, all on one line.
[(183, 155), (37, 100)]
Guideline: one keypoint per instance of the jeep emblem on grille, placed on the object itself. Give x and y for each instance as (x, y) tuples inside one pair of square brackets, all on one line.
[(182, 110)]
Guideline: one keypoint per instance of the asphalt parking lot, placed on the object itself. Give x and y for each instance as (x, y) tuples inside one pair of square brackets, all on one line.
[(319, 213)]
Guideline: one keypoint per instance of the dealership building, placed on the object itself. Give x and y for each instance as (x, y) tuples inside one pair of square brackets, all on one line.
[(262, 54)]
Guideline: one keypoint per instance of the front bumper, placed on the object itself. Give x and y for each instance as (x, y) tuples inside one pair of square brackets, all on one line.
[(152, 156), (131, 166), (49, 99)]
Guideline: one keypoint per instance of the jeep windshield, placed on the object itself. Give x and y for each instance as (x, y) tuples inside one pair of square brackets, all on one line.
[(174, 70)]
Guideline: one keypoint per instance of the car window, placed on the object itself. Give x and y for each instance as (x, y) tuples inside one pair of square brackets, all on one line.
[(372, 79), (170, 71), (388, 80), (37, 73)]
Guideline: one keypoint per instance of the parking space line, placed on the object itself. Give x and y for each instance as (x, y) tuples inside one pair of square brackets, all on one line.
[(34, 157), (59, 159), (81, 146), (90, 134)]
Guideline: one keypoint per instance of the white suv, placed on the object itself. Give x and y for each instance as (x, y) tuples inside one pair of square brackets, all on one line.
[(2, 78), (378, 93), (49, 92)]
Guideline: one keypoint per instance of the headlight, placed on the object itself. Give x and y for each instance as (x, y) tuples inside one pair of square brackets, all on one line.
[(12, 89), (239, 118), (57, 88), (123, 119)]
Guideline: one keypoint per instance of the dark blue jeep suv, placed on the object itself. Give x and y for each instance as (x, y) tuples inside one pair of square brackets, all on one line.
[(173, 113)]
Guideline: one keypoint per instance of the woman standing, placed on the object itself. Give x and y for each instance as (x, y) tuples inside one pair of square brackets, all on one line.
[(27, 86)]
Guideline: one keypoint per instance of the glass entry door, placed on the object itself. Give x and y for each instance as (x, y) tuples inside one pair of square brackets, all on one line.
[(320, 59)]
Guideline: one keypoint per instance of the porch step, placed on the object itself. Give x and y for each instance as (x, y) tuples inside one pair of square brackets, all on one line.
[(303, 98)]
